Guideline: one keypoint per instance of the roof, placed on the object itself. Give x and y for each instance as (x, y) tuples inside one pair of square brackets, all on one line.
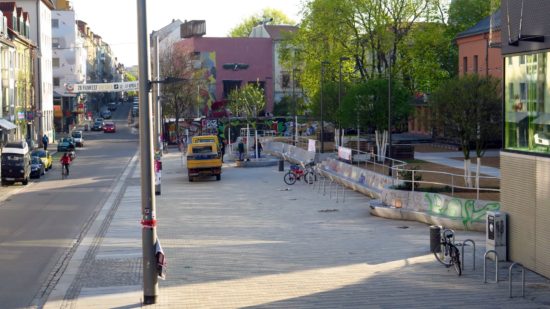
[(482, 26), (277, 32), (166, 30)]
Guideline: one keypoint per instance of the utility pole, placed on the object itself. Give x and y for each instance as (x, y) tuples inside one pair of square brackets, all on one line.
[(322, 113), (340, 101), (389, 118), (148, 213)]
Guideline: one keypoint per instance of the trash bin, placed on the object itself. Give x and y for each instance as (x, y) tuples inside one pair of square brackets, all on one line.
[(435, 238), (281, 165)]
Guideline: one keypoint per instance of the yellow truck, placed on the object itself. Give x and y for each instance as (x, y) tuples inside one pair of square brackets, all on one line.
[(204, 159)]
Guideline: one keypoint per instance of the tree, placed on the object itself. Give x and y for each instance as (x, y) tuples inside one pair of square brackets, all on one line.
[(247, 101), (468, 109), (180, 97), (243, 29)]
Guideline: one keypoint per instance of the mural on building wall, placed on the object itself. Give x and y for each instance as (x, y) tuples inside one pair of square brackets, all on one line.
[(208, 90), (459, 209)]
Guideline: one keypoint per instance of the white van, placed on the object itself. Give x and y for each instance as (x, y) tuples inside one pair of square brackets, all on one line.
[(16, 163)]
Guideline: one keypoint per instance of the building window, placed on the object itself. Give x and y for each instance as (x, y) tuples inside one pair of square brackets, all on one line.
[(527, 104), (55, 23), (475, 70), (465, 64), (55, 62), (285, 80), (56, 81)]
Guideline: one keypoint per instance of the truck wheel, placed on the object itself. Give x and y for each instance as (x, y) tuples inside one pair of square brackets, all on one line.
[(218, 177), (25, 181)]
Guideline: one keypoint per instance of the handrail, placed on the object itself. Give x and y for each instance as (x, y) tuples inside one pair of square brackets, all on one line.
[(474, 253), (485, 266), (522, 279)]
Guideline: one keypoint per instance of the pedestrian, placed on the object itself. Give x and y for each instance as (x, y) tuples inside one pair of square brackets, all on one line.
[(45, 141), (241, 150), (259, 149), (222, 148)]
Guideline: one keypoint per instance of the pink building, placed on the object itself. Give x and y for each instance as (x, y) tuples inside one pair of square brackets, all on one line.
[(233, 62)]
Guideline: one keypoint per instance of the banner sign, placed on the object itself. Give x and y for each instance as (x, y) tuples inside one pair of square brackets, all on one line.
[(344, 153), (311, 145), (105, 87)]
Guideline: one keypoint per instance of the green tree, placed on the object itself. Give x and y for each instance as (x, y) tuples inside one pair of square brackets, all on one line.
[(129, 77), (243, 29), (468, 110), (366, 105), (247, 101)]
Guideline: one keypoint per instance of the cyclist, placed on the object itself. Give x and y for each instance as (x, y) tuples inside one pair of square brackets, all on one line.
[(65, 161)]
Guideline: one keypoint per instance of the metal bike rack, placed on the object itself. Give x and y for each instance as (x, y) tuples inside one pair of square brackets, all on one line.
[(485, 266), (474, 253), (522, 279)]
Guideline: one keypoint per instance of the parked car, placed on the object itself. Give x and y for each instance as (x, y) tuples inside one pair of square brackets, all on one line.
[(78, 138), (112, 106), (45, 156), (66, 144), (109, 127), (37, 167), (98, 126), (99, 119), (106, 114)]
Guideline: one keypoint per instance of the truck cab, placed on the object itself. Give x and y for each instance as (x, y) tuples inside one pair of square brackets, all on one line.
[(204, 159)]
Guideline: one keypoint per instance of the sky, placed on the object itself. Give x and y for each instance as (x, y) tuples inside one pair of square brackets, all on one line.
[(116, 20)]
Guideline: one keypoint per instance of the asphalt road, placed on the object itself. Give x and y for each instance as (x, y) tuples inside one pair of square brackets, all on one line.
[(41, 223)]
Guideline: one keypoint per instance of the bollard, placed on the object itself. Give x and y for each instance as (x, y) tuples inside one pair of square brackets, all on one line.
[(281, 165)]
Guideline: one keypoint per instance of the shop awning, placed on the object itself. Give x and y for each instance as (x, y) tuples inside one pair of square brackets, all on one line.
[(8, 125)]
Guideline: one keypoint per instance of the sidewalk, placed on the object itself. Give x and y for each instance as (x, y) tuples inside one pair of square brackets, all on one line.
[(444, 158), (251, 241)]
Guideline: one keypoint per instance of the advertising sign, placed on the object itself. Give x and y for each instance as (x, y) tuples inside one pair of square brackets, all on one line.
[(105, 87), (344, 153), (311, 145)]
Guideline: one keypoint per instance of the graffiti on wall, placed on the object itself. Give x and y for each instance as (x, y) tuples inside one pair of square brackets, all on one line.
[(459, 209)]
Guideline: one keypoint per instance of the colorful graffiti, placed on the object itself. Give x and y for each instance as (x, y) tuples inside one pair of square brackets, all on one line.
[(458, 209)]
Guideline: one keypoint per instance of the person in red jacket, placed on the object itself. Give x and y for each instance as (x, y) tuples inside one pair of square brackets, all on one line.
[(65, 161)]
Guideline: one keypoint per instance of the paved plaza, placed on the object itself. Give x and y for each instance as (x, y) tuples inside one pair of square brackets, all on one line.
[(251, 241)]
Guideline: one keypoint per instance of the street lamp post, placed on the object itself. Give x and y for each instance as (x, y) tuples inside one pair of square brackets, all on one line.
[(148, 209), (322, 114), (389, 117), (340, 100)]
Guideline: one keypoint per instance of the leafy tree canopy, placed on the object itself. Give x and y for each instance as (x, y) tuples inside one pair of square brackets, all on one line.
[(245, 27)]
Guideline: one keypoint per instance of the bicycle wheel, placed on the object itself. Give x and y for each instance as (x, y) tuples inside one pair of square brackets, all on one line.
[(290, 178), (443, 256), (455, 259), (309, 177)]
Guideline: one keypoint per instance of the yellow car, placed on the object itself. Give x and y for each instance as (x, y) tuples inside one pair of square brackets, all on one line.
[(45, 156)]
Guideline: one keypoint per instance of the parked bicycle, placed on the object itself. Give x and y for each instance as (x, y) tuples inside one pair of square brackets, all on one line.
[(447, 253), (295, 173)]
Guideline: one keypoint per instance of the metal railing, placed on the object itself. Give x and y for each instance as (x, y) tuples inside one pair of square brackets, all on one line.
[(400, 171)]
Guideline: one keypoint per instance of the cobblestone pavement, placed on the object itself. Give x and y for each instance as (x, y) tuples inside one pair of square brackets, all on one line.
[(250, 241)]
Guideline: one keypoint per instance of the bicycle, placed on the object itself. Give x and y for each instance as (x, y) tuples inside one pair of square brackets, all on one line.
[(296, 173), (64, 172), (447, 253)]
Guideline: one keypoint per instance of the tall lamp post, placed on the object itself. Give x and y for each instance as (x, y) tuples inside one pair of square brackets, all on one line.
[(322, 114), (148, 212), (389, 117), (340, 100)]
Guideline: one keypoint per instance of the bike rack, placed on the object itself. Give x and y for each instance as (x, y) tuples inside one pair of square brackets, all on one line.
[(474, 253), (485, 266), (522, 279)]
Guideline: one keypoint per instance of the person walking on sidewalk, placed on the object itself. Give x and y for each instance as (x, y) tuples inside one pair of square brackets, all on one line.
[(241, 150), (45, 141)]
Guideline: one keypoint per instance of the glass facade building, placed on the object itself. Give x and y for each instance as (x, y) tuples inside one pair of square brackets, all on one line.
[(527, 103)]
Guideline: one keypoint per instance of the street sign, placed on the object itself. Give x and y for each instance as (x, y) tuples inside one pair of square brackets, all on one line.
[(105, 87)]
